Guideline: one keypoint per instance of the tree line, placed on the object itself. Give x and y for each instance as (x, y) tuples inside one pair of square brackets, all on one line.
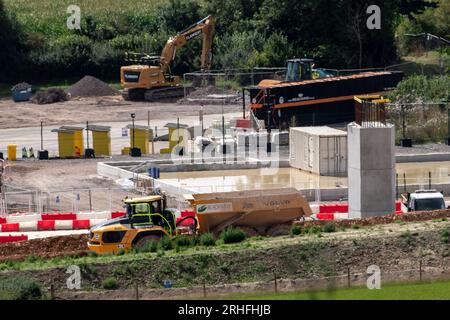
[(249, 33)]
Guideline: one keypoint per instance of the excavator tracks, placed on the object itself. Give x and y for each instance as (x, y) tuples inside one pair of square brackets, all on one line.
[(155, 95)]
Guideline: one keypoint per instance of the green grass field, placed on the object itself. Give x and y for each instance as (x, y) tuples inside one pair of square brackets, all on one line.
[(439, 290), (49, 16)]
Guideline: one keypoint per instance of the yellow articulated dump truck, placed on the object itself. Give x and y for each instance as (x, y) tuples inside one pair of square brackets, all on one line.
[(256, 212)]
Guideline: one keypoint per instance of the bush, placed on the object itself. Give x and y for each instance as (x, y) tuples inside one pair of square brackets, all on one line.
[(110, 283), (445, 236), (408, 237), (233, 235), (92, 254), (32, 258), (19, 289), (166, 243), (329, 227), (207, 239), (296, 230), (313, 230), (121, 252), (183, 241), (151, 246)]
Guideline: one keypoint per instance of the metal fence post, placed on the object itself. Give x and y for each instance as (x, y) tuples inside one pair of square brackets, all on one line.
[(90, 200), (276, 284), (52, 292), (136, 291), (429, 180), (396, 186), (204, 288), (404, 182), (348, 277), (420, 270)]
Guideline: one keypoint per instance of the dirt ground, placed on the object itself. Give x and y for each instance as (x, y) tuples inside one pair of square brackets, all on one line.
[(96, 109), (395, 248), (59, 177)]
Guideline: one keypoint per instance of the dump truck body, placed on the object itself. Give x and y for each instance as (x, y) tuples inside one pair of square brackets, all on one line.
[(260, 209)]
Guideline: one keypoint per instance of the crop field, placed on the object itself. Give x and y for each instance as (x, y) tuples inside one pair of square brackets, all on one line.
[(49, 16), (419, 291)]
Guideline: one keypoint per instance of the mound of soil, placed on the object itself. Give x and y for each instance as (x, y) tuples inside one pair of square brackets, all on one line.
[(21, 86), (387, 219), (91, 87), (51, 95), (44, 248)]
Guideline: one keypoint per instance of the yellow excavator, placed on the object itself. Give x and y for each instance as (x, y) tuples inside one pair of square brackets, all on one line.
[(151, 79)]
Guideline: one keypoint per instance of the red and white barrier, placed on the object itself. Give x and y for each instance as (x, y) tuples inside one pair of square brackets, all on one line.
[(339, 211), (55, 221), (10, 238)]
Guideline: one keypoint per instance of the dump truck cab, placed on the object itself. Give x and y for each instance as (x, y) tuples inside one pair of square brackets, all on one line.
[(147, 219), (423, 200)]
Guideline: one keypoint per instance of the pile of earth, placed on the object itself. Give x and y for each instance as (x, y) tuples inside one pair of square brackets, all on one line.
[(91, 87), (386, 219), (44, 248), (51, 95), (21, 86)]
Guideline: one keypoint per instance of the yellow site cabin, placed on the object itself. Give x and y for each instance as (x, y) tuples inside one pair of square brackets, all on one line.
[(101, 136), (142, 136), (70, 141)]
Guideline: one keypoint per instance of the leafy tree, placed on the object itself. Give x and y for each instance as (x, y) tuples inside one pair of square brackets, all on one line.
[(11, 51)]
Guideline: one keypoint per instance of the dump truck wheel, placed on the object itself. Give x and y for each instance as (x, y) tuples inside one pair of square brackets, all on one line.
[(249, 231), (146, 240), (279, 230)]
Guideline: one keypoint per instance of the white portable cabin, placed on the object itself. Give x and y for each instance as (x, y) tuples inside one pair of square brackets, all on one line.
[(320, 150)]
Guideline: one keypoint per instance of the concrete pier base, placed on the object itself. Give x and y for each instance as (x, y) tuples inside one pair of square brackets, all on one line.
[(371, 170)]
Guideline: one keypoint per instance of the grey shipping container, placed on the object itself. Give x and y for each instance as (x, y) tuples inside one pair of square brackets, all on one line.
[(320, 150)]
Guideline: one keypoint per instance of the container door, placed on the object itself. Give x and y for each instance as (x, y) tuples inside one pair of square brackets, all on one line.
[(343, 155), (327, 158), (311, 151)]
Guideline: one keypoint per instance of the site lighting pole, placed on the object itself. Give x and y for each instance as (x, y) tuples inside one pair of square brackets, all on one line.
[(134, 152), (132, 128)]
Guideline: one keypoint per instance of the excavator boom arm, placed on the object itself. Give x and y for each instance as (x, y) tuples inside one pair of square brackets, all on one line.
[(205, 27)]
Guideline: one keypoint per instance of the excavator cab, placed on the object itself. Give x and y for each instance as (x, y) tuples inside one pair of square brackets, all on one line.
[(299, 70)]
